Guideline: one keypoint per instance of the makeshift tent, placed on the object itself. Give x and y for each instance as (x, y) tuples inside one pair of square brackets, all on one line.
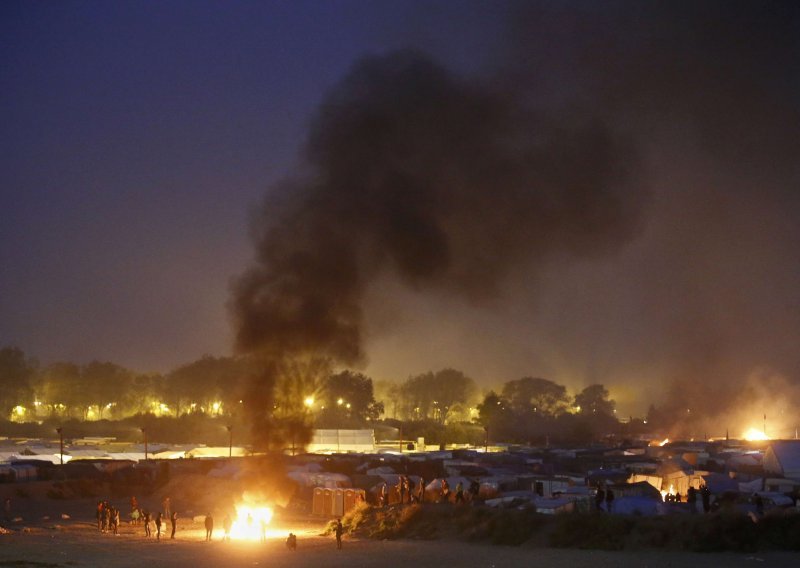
[(782, 459)]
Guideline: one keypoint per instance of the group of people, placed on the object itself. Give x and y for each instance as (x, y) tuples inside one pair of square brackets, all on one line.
[(604, 496), (406, 491), (227, 523), (691, 498), (108, 518)]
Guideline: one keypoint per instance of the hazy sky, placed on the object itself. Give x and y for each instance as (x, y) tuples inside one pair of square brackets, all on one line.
[(140, 137)]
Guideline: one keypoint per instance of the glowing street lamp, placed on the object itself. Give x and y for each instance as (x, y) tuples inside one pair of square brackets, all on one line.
[(340, 402), (61, 443), (309, 401), (144, 432)]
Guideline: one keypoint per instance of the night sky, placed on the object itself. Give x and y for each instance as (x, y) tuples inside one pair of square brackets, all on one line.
[(140, 138)]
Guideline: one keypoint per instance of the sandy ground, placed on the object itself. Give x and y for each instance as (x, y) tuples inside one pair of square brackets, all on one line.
[(77, 543), (44, 539)]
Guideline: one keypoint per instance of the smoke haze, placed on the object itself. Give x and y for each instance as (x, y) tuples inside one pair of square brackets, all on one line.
[(617, 195), (436, 181)]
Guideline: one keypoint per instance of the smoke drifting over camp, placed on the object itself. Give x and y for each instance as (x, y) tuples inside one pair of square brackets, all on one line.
[(623, 175), (435, 180), (701, 307), (440, 181)]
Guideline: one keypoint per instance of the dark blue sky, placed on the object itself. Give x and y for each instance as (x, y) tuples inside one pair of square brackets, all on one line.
[(139, 137)]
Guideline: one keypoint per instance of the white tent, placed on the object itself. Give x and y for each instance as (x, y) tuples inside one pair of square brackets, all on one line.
[(782, 459)]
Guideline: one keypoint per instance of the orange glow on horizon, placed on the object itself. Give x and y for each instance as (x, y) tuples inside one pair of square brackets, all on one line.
[(755, 435)]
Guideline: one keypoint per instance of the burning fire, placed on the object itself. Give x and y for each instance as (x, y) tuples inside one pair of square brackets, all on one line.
[(665, 493), (755, 435), (251, 522)]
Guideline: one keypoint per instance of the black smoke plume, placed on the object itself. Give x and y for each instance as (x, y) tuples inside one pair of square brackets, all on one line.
[(438, 181)]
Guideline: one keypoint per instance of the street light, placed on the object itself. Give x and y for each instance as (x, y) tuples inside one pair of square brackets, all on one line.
[(61, 443), (144, 431), (230, 440)]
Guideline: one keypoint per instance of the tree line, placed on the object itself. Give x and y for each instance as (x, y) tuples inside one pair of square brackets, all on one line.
[(526, 410)]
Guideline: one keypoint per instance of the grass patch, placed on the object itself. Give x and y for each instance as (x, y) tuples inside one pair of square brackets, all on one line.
[(513, 527)]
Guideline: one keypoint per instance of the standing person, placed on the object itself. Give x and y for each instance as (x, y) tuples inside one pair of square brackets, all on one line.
[(474, 490), (759, 504), (339, 530), (412, 498), (147, 532), (406, 488), (99, 513), (166, 507), (401, 489), (421, 490), (691, 498), (106, 516), (599, 497), (609, 499), (158, 526), (459, 492), (116, 520), (173, 519), (705, 495), (226, 526), (209, 522), (445, 491), (382, 495)]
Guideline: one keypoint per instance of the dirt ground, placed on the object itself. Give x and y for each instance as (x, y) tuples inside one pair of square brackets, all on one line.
[(44, 539)]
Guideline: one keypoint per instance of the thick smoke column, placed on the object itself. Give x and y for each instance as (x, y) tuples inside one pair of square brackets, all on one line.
[(438, 180)]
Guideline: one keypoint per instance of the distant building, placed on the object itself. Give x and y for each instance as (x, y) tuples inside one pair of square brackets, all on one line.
[(339, 441)]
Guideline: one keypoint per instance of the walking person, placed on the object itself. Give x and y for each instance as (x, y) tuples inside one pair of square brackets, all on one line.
[(421, 490), (158, 526), (173, 519), (339, 530), (146, 518), (209, 522), (226, 526)]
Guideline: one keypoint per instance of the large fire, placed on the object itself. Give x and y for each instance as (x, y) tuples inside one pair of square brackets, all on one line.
[(251, 522), (755, 435)]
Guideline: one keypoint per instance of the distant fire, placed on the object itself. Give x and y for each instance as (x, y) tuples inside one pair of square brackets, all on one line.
[(755, 435), (251, 522)]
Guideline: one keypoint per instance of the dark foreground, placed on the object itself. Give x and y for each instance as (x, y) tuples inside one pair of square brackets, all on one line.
[(77, 544)]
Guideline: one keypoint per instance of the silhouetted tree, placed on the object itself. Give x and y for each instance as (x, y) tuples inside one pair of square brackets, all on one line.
[(16, 372), (594, 400)]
